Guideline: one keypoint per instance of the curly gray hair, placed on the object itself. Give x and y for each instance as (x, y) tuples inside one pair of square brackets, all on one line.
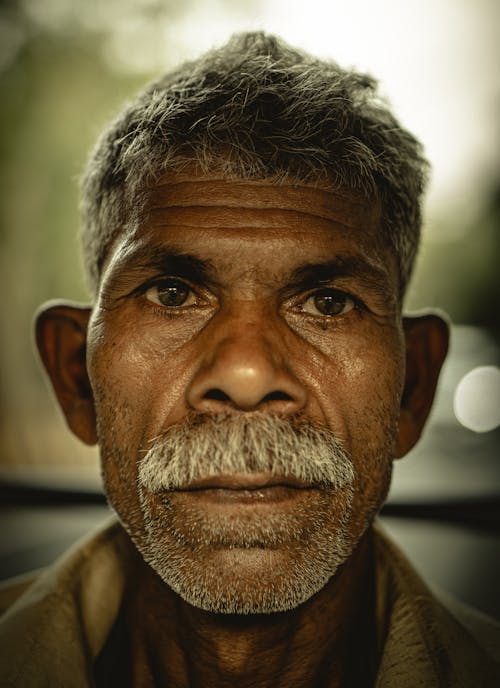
[(255, 108)]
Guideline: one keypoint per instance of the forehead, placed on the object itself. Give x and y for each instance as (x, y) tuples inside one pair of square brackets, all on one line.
[(316, 199), (274, 223), (258, 204)]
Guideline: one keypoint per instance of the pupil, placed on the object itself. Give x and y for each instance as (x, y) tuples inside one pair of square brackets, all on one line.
[(330, 304), (172, 294)]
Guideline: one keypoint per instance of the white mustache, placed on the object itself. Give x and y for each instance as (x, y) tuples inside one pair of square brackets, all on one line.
[(205, 446)]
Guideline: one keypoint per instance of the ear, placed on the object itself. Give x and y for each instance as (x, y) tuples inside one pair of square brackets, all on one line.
[(427, 339), (61, 338)]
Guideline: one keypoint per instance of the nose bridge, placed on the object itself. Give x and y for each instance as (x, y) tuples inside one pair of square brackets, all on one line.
[(246, 353), (250, 331), (244, 364)]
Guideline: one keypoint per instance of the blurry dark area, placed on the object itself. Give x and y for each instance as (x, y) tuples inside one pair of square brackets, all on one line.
[(461, 274), (65, 68)]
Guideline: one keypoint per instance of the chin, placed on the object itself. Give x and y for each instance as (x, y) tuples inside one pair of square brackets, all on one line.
[(250, 580), (256, 561)]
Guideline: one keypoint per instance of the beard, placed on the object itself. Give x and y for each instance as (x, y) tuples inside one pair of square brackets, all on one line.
[(257, 561), (249, 561)]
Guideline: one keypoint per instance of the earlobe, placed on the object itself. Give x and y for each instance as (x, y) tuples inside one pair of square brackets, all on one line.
[(61, 335), (426, 339)]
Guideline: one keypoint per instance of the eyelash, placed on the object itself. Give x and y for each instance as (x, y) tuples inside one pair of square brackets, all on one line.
[(358, 305), (172, 311), (164, 311)]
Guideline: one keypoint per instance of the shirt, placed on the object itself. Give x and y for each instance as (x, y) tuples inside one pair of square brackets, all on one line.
[(55, 627)]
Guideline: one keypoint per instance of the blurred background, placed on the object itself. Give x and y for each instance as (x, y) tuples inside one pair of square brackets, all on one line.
[(67, 66)]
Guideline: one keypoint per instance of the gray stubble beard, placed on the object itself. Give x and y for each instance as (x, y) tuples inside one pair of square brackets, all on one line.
[(255, 565)]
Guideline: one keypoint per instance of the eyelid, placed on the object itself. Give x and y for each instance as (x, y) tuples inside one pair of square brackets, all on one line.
[(304, 296), (348, 300), (161, 279), (152, 295)]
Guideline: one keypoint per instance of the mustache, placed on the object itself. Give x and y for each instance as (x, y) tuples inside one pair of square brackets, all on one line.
[(204, 446)]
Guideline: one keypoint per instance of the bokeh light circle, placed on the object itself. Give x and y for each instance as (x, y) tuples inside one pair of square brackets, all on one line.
[(476, 403)]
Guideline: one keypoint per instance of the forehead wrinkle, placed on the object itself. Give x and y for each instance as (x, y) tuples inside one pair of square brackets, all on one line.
[(239, 206), (237, 217), (139, 251), (318, 199)]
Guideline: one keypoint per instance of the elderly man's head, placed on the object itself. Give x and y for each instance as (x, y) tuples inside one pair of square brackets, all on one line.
[(250, 223)]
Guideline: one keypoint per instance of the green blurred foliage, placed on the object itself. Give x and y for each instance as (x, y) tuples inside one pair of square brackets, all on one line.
[(57, 94)]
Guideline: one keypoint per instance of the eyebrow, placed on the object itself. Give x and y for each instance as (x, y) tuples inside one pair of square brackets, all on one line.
[(368, 275), (168, 261)]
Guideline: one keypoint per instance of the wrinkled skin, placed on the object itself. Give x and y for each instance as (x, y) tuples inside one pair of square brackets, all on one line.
[(241, 334), (250, 339)]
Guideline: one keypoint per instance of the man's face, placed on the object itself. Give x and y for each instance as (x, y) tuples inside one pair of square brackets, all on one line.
[(257, 306)]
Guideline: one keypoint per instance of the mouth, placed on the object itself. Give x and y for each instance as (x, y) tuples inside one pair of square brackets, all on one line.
[(245, 482), (246, 488)]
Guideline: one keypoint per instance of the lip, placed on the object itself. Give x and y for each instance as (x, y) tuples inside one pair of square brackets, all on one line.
[(245, 482), (240, 489)]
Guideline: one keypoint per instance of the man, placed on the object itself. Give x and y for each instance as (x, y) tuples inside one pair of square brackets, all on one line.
[(250, 223)]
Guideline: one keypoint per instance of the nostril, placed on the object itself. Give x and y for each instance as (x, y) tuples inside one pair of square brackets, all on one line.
[(277, 396), (216, 395)]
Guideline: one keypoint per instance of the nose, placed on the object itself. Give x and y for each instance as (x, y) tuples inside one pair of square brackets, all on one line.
[(245, 369)]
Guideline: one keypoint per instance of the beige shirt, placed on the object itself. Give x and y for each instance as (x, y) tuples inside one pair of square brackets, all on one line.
[(56, 626)]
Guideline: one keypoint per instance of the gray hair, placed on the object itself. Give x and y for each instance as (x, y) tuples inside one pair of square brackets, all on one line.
[(255, 108)]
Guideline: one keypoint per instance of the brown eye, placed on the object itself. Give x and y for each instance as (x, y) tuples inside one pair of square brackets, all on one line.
[(171, 294), (329, 302)]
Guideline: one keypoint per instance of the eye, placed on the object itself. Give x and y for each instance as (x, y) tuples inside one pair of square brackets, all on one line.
[(329, 302), (171, 293)]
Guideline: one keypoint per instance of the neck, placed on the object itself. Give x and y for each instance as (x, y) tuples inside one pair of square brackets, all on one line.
[(318, 643)]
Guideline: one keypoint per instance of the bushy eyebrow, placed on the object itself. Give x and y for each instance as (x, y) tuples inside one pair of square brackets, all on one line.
[(166, 260), (366, 274), (171, 260)]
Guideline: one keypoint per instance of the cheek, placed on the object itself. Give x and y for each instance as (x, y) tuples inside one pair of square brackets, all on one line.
[(373, 378), (121, 375), (141, 369), (360, 395), (358, 379), (373, 383), (139, 377)]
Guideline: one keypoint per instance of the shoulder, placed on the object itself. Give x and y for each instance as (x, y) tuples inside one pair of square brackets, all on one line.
[(69, 570), (57, 621), (428, 633), (482, 628), (13, 588)]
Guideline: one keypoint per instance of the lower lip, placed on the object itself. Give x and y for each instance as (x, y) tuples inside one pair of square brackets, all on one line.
[(263, 495)]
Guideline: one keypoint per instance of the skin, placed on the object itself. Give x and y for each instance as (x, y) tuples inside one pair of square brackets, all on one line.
[(249, 338)]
